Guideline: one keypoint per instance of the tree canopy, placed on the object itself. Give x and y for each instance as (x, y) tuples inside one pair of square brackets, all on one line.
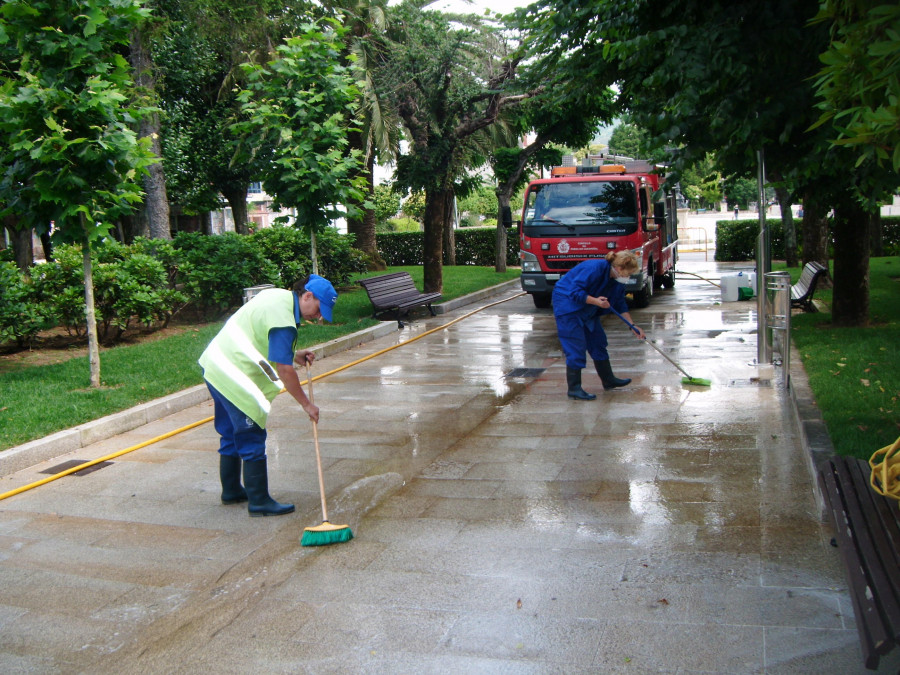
[(71, 153), (732, 78)]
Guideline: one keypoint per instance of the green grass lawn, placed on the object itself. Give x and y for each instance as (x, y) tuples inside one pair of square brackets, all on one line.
[(36, 401), (854, 373)]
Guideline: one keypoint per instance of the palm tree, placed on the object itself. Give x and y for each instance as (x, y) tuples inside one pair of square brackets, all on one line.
[(378, 135)]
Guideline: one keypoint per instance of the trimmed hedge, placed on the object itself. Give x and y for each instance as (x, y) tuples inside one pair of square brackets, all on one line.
[(736, 239), (474, 246), (152, 279)]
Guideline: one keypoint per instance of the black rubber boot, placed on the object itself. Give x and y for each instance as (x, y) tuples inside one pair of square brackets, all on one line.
[(230, 475), (573, 378), (610, 381), (256, 482)]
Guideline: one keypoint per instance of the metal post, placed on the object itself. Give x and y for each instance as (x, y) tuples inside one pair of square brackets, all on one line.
[(777, 299), (763, 261)]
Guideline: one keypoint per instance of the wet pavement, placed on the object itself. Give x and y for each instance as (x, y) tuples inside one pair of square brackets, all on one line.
[(499, 526)]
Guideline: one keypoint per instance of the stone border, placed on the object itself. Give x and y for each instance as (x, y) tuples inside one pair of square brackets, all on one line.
[(69, 440), (811, 425)]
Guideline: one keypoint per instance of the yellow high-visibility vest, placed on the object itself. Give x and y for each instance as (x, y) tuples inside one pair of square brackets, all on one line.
[(235, 361)]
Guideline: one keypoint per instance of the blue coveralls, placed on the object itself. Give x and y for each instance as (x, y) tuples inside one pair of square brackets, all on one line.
[(578, 323)]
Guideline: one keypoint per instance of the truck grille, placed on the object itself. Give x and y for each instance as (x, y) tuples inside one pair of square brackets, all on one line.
[(564, 262)]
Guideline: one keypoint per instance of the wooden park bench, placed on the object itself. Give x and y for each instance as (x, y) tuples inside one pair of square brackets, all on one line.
[(867, 527), (802, 291), (396, 293)]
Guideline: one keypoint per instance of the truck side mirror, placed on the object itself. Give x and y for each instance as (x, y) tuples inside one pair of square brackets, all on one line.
[(507, 217), (659, 212)]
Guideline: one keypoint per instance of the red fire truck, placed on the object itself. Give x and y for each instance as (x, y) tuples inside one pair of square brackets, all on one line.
[(583, 212)]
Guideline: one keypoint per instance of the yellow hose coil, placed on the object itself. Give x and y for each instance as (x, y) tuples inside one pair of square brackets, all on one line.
[(885, 465)]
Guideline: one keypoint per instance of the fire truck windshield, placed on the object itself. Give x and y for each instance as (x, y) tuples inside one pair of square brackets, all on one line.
[(581, 208)]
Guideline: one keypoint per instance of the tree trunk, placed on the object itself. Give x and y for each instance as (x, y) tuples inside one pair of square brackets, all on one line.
[(501, 240), (313, 251), (787, 225), (22, 245), (47, 243), (815, 229), (206, 222), (876, 234), (363, 227), (156, 204), (237, 200), (850, 304), (432, 254), (449, 232), (90, 314)]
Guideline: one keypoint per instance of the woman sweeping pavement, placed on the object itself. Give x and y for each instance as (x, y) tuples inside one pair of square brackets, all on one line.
[(238, 369), (579, 300)]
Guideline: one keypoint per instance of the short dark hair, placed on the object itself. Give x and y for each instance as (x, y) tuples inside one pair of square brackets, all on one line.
[(300, 286)]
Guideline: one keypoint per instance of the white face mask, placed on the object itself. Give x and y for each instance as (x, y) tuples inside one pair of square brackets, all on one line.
[(620, 277)]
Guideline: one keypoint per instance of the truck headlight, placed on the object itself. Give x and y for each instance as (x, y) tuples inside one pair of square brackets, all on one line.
[(529, 262)]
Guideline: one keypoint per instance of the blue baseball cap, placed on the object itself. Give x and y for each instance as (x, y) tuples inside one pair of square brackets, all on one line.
[(324, 292)]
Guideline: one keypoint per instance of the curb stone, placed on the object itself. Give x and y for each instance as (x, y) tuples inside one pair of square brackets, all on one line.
[(811, 425)]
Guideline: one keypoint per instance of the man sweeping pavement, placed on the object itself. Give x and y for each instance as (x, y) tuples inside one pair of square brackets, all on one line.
[(245, 367)]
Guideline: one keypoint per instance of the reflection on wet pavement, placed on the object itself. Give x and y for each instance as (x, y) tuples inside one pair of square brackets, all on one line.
[(500, 526)]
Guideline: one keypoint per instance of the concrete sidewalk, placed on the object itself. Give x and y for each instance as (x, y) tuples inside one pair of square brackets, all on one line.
[(500, 527)]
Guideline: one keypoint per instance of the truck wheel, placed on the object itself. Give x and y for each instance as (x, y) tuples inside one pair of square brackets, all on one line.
[(642, 297), (541, 300), (668, 279)]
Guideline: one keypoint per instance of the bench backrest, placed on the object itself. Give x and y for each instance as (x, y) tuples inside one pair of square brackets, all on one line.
[(811, 270), (396, 284)]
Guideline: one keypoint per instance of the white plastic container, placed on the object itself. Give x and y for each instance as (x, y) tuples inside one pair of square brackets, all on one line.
[(729, 284)]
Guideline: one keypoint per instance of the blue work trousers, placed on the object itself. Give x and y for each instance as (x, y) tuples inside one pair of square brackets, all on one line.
[(240, 435), (578, 336)]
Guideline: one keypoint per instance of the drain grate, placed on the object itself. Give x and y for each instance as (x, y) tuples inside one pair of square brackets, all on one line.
[(65, 466), (752, 382), (525, 372)]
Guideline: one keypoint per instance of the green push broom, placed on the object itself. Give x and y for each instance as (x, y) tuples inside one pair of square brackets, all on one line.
[(687, 379), (326, 533)]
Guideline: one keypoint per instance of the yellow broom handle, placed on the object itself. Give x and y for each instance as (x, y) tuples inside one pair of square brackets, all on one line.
[(316, 439)]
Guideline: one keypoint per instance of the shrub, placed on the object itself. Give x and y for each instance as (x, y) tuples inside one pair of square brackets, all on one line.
[(474, 246), (21, 317), (736, 239), (401, 248), (164, 251), (338, 260), (215, 270), (133, 288), (127, 285), (891, 233), (59, 285), (288, 249)]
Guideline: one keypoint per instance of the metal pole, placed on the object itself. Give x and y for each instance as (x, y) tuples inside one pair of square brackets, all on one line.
[(763, 263)]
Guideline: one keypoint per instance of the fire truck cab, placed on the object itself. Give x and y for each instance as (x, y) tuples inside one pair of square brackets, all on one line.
[(584, 212)]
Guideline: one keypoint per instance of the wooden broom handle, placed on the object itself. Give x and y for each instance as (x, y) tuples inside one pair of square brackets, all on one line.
[(316, 440)]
